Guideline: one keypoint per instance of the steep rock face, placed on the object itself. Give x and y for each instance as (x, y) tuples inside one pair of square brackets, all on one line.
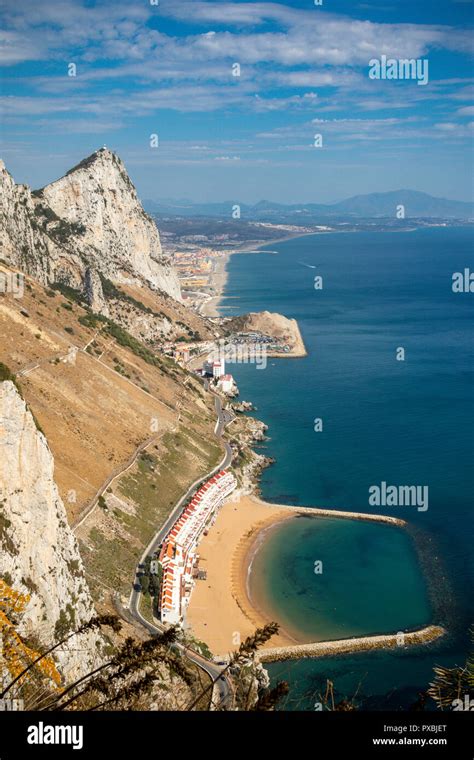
[(22, 243), (39, 554), (89, 219), (98, 196)]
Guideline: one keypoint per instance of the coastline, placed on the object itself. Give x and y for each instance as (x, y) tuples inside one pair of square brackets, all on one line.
[(221, 611), (218, 281), (210, 309), (298, 351), (220, 275), (258, 247)]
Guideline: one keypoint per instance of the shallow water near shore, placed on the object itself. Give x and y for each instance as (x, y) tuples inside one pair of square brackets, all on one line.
[(383, 420), (368, 581)]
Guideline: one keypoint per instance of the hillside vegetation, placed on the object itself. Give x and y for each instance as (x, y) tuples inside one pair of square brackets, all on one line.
[(98, 394)]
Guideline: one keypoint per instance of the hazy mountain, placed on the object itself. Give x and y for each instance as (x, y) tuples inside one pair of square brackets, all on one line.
[(372, 205), (415, 203)]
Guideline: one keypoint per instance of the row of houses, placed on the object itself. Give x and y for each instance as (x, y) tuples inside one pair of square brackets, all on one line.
[(178, 555)]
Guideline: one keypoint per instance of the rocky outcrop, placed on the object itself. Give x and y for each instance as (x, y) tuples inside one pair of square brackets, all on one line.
[(39, 555), (93, 292), (243, 406), (284, 333), (90, 220), (98, 196), (245, 432), (250, 680)]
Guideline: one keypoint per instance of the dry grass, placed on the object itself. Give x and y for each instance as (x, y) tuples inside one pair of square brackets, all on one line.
[(95, 409)]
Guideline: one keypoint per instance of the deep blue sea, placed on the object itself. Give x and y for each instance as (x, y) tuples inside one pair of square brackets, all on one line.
[(403, 422)]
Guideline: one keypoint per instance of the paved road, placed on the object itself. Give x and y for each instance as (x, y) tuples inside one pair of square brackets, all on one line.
[(223, 418), (116, 473), (223, 684)]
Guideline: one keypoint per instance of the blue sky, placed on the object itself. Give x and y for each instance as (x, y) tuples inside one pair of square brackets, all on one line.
[(167, 69)]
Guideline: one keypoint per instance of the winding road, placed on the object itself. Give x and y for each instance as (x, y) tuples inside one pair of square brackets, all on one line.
[(214, 671)]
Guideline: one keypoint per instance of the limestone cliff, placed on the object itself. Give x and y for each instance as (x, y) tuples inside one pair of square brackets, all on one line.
[(90, 220), (23, 243), (39, 554)]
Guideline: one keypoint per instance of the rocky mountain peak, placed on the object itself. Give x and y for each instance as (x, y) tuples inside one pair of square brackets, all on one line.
[(103, 155), (102, 163), (89, 219)]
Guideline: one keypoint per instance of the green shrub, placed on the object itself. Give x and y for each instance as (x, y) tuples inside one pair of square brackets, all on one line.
[(71, 293), (6, 373), (112, 291)]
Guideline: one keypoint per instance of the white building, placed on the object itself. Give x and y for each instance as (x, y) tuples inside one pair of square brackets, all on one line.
[(178, 554), (226, 383), (218, 368)]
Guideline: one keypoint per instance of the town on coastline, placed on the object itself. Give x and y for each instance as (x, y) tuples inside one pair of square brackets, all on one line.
[(161, 412), (178, 555), (177, 563), (248, 339)]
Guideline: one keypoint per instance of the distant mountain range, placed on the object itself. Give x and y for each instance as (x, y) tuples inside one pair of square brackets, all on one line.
[(372, 205)]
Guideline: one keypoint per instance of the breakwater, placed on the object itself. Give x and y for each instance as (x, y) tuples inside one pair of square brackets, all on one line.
[(357, 644), (316, 512)]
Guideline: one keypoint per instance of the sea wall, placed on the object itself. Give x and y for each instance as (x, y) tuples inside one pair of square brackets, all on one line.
[(344, 646), (314, 512)]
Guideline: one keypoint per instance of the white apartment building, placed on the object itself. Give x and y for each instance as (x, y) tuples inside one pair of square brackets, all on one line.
[(178, 555)]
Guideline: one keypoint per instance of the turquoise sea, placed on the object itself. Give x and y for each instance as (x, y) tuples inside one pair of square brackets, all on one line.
[(403, 422)]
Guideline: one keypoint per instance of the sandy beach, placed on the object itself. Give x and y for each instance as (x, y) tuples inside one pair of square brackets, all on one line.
[(222, 614), (218, 281), (219, 276), (219, 607)]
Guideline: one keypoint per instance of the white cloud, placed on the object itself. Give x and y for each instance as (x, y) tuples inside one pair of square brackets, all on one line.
[(118, 30), (466, 111), (455, 129), (129, 69)]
